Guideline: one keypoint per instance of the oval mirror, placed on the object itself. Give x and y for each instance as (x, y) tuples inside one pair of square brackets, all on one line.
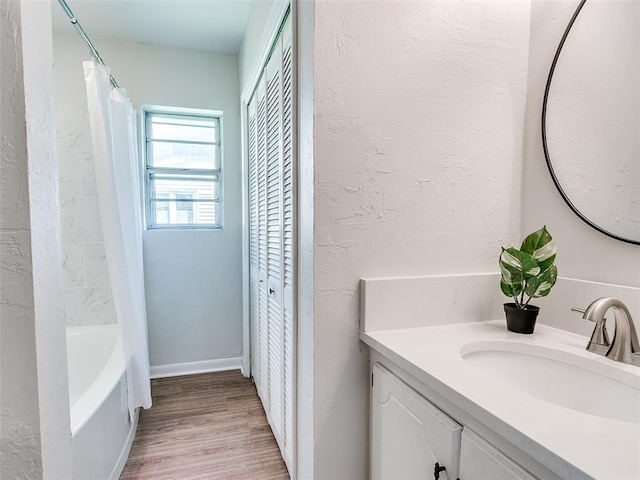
[(591, 117)]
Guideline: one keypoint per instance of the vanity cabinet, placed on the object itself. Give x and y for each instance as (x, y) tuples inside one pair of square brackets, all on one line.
[(411, 437), (480, 461)]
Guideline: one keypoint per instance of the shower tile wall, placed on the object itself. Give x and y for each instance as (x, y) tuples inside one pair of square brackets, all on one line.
[(88, 298)]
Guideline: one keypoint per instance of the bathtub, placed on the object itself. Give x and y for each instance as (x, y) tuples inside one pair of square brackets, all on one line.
[(101, 432)]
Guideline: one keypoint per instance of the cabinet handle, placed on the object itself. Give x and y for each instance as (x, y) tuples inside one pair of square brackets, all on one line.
[(436, 471), (271, 291)]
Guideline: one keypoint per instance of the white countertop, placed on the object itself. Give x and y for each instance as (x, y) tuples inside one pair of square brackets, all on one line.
[(570, 443)]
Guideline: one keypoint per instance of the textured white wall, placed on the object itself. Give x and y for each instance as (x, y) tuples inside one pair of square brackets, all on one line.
[(35, 438), (193, 278), (19, 427), (418, 111), (583, 253)]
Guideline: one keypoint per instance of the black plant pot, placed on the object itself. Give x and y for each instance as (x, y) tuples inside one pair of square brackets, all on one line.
[(521, 320)]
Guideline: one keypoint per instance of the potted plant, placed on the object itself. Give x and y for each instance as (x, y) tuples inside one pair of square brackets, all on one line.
[(527, 273)]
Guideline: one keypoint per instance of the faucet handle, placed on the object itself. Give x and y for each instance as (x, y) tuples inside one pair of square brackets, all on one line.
[(583, 311), (599, 342)]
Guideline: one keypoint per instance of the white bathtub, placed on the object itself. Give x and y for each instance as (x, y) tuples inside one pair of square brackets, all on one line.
[(101, 433)]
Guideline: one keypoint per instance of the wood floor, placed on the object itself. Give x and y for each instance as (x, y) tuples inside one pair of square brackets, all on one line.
[(208, 426)]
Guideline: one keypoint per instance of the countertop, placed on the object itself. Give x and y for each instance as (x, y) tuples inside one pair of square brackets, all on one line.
[(570, 443)]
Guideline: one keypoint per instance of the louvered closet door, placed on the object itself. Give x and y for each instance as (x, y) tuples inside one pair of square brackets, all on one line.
[(254, 284), (271, 150), (288, 276), (263, 383), (274, 242)]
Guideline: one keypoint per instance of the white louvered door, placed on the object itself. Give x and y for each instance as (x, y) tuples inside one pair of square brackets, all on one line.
[(263, 383), (271, 167), (274, 240), (288, 239), (254, 284)]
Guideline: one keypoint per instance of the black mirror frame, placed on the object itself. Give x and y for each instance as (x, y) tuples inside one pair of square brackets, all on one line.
[(544, 138)]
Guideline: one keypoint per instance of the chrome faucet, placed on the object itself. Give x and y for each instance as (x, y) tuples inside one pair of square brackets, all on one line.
[(625, 346)]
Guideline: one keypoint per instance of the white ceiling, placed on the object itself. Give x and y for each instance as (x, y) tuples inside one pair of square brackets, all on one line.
[(207, 25)]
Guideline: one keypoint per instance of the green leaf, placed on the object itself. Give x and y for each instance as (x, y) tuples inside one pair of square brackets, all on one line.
[(532, 286), (511, 289), (511, 275), (518, 264), (541, 246), (516, 267), (541, 286)]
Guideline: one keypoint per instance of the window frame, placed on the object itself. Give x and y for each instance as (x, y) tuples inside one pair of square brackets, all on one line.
[(147, 169)]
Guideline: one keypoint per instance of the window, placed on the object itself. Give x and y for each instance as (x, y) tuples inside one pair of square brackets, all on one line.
[(183, 161)]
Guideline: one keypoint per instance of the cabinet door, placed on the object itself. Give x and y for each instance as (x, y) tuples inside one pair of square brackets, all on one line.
[(409, 434), (480, 461)]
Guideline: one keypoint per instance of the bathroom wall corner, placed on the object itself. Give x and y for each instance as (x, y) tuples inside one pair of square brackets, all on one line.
[(36, 437), (46, 249)]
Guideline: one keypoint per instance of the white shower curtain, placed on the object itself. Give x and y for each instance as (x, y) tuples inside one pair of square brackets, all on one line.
[(115, 149)]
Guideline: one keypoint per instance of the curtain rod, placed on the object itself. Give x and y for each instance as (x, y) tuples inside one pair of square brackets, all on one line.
[(85, 38)]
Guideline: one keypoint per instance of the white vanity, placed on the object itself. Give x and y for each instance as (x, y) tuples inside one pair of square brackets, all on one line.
[(488, 404)]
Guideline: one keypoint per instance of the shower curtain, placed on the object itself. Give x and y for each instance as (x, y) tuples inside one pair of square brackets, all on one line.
[(112, 121)]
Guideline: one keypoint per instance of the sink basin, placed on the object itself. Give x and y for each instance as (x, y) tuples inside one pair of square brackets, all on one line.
[(595, 386)]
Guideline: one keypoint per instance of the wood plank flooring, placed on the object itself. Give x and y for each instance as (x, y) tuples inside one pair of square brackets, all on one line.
[(207, 426)]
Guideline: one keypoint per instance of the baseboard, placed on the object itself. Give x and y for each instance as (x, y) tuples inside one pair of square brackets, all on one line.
[(124, 454), (191, 368)]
